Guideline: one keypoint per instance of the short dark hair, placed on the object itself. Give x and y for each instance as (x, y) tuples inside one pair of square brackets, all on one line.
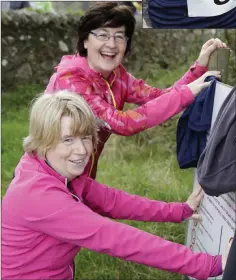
[(105, 14)]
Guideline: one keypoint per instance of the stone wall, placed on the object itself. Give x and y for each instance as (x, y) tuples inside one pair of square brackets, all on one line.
[(33, 43)]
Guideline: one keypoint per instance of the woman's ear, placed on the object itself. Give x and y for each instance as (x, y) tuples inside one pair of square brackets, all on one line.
[(85, 44)]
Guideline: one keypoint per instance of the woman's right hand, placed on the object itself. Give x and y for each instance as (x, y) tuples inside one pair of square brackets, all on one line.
[(199, 84), (207, 50)]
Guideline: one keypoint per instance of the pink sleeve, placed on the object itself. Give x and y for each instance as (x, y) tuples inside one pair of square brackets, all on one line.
[(65, 219), (194, 72), (141, 93), (133, 121), (216, 266), (187, 211), (118, 204)]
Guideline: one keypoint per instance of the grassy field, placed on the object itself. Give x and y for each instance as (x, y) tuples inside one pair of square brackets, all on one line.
[(144, 164)]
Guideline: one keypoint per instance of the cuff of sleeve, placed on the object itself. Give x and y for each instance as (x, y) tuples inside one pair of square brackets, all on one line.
[(187, 96), (182, 96), (198, 70), (187, 211), (216, 266)]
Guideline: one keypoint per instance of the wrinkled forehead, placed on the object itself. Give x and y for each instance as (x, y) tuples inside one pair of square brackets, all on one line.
[(66, 123), (111, 30), (75, 126)]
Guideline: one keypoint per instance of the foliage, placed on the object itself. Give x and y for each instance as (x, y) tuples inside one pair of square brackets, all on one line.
[(41, 6)]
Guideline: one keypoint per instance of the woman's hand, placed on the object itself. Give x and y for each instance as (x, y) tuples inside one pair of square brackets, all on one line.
[(194, 201), (199, 84), (207, 50), (226, 254)]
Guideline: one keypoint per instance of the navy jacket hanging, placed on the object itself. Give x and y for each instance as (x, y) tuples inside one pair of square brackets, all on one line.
[(174, 14), (193, 127)]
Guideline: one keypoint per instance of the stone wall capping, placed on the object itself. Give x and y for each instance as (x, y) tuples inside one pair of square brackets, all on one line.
[(33, 44)]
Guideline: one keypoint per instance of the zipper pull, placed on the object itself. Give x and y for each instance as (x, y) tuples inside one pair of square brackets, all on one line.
[(73, 195)]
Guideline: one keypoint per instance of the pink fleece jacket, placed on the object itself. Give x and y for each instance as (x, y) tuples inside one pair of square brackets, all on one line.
[(44, 226), (107, 97)]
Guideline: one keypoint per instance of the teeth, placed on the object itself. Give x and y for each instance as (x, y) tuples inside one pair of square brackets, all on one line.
[(77, 161), (109, 54)]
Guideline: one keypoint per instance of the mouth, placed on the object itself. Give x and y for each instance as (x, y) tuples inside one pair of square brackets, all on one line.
[(108, 55), (78, 161)]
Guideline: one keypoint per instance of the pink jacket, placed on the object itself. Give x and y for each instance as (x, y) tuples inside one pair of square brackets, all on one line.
[(44, 226), (107, 97)]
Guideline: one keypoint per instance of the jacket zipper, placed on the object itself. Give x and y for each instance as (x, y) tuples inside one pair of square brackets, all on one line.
[(114, 104), (92, 164), (111, 93), (71, 272), (66, 183)]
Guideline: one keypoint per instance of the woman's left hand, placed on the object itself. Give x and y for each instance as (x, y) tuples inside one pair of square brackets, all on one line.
[(226, 254), (207, 50), (194, 201)]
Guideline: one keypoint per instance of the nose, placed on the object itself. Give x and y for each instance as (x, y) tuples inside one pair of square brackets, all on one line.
[(79, 147), (111, 42)]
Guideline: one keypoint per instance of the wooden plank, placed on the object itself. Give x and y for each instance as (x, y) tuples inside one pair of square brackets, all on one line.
[(219, 61)]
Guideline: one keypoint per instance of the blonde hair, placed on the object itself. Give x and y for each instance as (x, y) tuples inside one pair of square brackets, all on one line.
[(45, 121)]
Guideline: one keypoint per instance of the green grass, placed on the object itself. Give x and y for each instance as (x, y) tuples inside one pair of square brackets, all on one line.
[(144, 164), (15, 114)]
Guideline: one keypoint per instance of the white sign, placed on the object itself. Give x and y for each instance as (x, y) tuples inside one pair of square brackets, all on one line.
[(213, 233), (209, 8)]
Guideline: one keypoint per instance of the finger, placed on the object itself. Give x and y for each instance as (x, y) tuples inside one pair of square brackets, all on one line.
[(197, 189), (208, 43), (212, 73), (219, 43), (211, 48), (199, 199), (201, 195), (222, 44), (196, 192), (202, 192), (228, 246), (196, 217), (205, 85), (226, 253)]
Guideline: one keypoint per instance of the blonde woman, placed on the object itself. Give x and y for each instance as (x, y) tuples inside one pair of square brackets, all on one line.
[(51, 209)]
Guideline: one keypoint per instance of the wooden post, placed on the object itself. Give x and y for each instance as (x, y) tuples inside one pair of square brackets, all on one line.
[(219, 61)]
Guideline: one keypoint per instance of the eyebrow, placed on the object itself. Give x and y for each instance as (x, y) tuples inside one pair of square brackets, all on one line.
[(120, 31), (66, 136)]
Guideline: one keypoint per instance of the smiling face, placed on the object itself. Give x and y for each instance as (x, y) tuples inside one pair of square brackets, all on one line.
[(105, 56), (71, 155)]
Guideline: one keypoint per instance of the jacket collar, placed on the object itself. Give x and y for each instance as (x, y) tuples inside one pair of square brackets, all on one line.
[(44, 166), (76, 62)]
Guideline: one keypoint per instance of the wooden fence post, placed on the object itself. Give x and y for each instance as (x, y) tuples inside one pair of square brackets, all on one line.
[(219, 61)]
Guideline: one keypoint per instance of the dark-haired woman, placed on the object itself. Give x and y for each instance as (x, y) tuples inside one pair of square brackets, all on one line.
[(96, 73)]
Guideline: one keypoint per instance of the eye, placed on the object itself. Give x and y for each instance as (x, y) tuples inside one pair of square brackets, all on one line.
[(87, 137), (103, 36), (68, 140), (120, 38)]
